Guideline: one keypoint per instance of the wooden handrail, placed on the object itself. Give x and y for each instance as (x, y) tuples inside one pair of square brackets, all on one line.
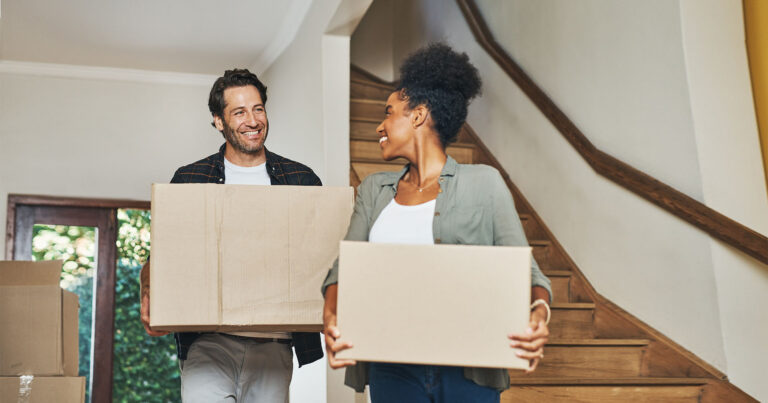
[(715, 224)]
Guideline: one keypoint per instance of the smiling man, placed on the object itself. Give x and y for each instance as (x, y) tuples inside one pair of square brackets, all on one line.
[(251, 366)]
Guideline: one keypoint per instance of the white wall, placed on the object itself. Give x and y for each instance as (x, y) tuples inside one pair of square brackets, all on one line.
[(733, 180), (309, 108), (628, 74), (372, 42), (98, 138)]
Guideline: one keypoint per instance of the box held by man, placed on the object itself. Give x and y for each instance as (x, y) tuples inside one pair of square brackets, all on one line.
[(243, 257)]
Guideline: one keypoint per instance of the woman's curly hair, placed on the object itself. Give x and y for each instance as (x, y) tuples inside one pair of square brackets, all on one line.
[(445, 82)]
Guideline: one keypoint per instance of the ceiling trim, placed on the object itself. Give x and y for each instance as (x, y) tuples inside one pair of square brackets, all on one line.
[(288, 29), (105, 73)]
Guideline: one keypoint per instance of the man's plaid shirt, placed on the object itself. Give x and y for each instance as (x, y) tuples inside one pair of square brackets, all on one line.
[(282, 171)]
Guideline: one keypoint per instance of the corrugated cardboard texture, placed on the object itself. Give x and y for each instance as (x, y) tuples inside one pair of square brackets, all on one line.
[(239, 257), (38, 335), (44, 390), (70, 309), (433, 304)]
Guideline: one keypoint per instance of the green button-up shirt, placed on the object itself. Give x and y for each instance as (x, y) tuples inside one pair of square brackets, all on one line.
[(473, 208)]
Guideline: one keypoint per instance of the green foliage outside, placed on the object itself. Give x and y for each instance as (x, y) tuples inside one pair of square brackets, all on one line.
[(75, 246), (145, 368)]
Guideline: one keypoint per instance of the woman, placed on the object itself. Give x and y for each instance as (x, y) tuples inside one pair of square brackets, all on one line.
[(432, 200)]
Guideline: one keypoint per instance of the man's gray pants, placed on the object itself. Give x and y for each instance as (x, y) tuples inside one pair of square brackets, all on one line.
[(224, 369)]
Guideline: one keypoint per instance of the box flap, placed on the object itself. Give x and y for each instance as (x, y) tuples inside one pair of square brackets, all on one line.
[(70, 337), (33, 344), (184, 255), (18, 272)]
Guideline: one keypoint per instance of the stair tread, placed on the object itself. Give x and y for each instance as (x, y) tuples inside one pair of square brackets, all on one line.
[(368, 101), (371, 140), (557, 273), (371, 83), (560, 381), (364, 119), (572, 305), (539, 242), (598, 342), (398, 161)]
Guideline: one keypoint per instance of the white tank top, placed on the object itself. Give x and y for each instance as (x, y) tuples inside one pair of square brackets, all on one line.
[(404, 224)]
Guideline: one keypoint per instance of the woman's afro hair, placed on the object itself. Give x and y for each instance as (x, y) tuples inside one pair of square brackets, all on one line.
[(444, 81)]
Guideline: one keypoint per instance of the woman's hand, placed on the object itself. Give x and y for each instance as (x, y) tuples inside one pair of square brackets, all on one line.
[(331, 332), (533, 340)]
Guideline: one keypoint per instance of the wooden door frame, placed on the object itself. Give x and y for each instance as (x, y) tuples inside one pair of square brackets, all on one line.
[(26, 210)]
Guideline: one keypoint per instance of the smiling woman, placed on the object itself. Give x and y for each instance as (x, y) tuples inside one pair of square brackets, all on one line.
[(427, 202)]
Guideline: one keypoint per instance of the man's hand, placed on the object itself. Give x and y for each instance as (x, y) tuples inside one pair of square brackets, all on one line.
[(145, 316), (533, 340), (144, 280), (332, 333)]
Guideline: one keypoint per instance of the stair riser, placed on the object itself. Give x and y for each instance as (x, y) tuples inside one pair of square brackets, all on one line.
[(599, 394), (533, 230), (361, 90), (373, 111), (571, 324), (560, 288), (363, 130), (549, 258), (370, 150), (588, 362), (364, 169)]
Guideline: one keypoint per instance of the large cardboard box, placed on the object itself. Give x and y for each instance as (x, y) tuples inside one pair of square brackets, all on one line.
[(240, 257), (38, 321), (36, 389), (433, 304)]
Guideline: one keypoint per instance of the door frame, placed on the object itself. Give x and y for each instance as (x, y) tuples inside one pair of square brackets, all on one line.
[(24, 211)]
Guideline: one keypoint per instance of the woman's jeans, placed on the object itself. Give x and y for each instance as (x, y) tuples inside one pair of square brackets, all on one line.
[(404, 383)]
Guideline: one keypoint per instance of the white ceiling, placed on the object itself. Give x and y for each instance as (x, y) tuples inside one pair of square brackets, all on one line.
[(192, 36)]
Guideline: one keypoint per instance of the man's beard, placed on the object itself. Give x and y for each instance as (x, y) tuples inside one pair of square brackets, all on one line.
[(233, 138)]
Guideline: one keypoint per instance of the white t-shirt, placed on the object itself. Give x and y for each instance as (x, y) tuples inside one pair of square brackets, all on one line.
[(237, 175), (404, 224)]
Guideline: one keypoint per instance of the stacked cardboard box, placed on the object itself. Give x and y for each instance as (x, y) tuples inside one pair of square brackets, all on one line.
[(38, 335)]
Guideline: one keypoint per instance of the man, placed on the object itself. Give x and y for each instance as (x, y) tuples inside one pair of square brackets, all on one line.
[(252, 366)]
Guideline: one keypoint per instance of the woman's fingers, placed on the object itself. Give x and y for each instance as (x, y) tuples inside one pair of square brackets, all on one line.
[(534, 363), (529, 346), (332, 346), (535, 331), (530, 355)]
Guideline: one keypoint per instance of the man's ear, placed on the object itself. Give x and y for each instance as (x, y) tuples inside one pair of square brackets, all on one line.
[(218, 123), (419, 115)]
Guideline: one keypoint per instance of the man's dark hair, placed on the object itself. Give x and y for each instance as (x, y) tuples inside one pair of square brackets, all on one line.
[(233, 78), (444, 81)]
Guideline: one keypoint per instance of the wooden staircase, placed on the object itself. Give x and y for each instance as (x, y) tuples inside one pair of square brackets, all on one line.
[(597, 351)]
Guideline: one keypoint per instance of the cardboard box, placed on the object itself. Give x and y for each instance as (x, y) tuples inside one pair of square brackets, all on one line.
[(39, 321), (37, 389), (433, 304), (243, 258)]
